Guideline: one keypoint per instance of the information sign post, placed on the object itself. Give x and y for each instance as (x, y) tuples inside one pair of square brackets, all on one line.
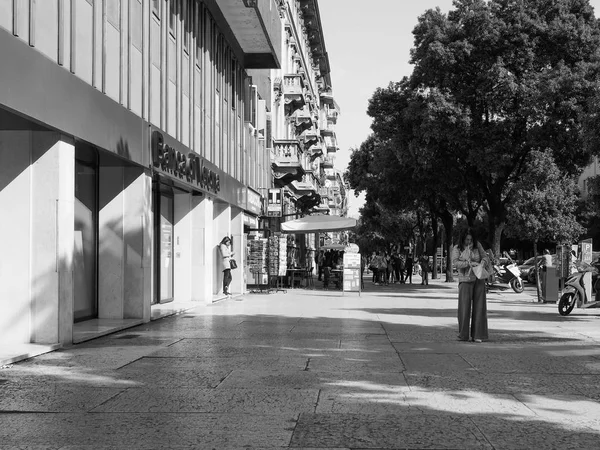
[(351, 281)]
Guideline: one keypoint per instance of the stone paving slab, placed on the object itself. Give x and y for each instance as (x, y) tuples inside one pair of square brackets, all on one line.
[(435, 363), (387, 432), (169, 446), (260, 401), (494, 383), (365, 362), (529, 362), (556, 407), (150, 430), (60, 398), (303, 379), (510, 434), (277, 343), (401, 401)]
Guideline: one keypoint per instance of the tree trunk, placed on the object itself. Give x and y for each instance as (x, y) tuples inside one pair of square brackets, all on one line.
[(435, 231), (495, 230), (538, 283), (448, 222)]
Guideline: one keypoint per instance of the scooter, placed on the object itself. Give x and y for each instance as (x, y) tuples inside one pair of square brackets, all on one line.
[(575, 291), (511, 275)]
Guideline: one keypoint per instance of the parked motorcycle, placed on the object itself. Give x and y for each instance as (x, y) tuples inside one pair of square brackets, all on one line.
[(575, 291), (509, 274)]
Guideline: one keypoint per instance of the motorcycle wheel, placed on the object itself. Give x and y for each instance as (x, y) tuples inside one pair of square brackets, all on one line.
[(566, 303), (517, 285)]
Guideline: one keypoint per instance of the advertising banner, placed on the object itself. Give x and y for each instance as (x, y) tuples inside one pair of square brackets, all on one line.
[(352, 273)]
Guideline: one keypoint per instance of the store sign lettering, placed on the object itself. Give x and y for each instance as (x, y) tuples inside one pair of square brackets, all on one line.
[(188, 167)]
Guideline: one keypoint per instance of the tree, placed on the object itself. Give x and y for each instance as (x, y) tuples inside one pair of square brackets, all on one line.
[(523, 75), (545, 206)]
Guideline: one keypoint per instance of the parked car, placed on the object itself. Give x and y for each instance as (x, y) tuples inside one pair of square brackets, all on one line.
[(527, 272), (525, 269)]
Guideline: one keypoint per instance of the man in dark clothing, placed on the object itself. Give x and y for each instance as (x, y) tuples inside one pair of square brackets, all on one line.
[(408, 265)]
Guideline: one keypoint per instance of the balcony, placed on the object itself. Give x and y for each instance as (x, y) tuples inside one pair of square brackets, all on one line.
[(327, 163), (321, 208), (303, 187), (331, 143), (332, 115), (286, 163), (287, 148), (327, 98), (328, 129), (308, 201), (303, 119), (315, 152), (293, 93), (256, 25), (311, 138)]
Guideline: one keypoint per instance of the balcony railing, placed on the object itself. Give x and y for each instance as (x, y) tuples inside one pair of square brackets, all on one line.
[(287, 149)]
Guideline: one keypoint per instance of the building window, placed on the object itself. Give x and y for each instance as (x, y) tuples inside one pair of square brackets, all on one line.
[(233, 82), (185, 15), (172, 16), (156, 8), (113, 13)]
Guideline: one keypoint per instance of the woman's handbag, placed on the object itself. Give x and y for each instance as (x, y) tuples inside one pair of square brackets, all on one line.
[(232, 263), (480, 271)]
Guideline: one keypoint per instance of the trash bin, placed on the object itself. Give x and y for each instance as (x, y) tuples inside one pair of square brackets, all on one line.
[(551, 281)]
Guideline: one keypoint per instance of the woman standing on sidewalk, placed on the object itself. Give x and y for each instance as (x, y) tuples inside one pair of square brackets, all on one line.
[(472, 308), (226, 254)]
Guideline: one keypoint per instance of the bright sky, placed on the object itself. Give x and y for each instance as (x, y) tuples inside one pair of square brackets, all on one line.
[(369, 46)]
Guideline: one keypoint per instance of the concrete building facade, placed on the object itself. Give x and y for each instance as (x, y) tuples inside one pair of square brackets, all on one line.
[(135, 135)]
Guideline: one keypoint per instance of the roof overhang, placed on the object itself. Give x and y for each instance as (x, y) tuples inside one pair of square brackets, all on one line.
[(256, 25)]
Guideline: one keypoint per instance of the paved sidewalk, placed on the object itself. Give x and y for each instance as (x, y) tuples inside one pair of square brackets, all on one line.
[(313, 369)]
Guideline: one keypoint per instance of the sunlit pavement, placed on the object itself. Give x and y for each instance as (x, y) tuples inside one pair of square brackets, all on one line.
[(316, 369)]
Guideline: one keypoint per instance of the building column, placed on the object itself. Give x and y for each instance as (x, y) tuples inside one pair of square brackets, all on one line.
[(36, 194), (237, 231), (124, 243), (201, 249)]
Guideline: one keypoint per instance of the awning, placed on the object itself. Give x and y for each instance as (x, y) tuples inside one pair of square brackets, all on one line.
[(313, 224), (333, 247)]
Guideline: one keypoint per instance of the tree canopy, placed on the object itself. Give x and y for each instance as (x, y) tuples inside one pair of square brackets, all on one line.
[(495, 85)]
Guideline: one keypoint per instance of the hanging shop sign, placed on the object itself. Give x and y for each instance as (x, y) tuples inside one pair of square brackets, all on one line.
[(189, 167), (275, 203), (253, 202)]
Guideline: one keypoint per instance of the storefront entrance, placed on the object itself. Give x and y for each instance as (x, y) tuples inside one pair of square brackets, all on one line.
[(85, 267), (164, 223)]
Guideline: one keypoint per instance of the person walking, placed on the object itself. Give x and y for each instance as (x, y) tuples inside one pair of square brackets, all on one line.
[(424, 261), (388, 268), (226, 254), (472, 307), (373, 266), (401, 267), (408, 266), (545, 262), (320, 263)]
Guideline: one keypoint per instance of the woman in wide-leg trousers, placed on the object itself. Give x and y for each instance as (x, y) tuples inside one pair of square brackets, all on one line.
[(472, 311)]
